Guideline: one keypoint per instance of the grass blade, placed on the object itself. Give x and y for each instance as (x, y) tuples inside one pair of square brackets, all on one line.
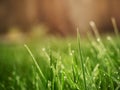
[(36, 64), (81, 58), (115, 27)]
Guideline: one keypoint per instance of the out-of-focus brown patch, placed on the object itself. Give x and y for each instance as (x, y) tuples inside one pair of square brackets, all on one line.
[(62, 17)]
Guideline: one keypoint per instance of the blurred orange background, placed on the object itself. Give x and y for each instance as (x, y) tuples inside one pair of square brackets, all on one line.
[(58, 16)]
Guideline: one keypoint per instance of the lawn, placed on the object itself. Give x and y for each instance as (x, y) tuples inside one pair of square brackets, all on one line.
[(61, 64)]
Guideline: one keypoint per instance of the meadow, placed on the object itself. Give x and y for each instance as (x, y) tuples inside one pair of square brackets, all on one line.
[(91, 63)]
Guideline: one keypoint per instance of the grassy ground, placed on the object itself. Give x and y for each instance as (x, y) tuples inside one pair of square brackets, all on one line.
[(61, 64)]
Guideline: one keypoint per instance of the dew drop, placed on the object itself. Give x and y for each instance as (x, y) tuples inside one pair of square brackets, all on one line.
[(109, 86), (43, 49), (99, 87), (118, 77), (104, 74), (108, 38)]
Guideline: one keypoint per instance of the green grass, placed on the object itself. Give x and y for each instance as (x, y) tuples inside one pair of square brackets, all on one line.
[(61, 64)]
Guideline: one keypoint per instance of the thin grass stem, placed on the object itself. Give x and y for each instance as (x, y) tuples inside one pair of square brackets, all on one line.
[(34, 60), (115, 27), (81, 58), (95, 30)]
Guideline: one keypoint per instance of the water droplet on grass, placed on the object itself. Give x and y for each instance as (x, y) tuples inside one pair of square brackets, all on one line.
[(104, 75), (93, 85), (9, 78), (71, 54), (116, 72), (108, 38), (98, 39), (99, 87), (43, 49), (118, 77), (119, 68), (109, 86), (49, 84)]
